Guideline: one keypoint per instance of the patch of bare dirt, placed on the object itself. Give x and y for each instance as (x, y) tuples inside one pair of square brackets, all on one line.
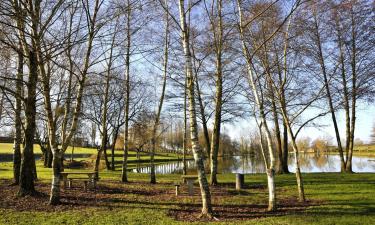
[(114, 194)]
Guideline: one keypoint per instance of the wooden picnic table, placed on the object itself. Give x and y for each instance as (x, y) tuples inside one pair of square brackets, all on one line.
[(90, 177)]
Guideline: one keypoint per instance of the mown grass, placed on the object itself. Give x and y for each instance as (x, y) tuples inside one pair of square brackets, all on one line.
[(7, 148), (341, 198), (79, 152)]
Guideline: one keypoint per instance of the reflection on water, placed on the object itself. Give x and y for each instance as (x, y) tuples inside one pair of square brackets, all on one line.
[(166, 168), (331, 163), (310, 163)]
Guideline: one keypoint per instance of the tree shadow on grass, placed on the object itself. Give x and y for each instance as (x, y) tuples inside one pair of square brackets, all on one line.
[(142, 195), (236, 212)]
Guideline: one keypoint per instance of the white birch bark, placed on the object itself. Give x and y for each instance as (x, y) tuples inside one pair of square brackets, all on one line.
[(260, 106), (197, 150)]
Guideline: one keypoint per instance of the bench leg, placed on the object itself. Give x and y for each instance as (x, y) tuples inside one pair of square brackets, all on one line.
[(64, 179), (177, 190), (94, 184), (190, 187), (70, 183), (85, 185)]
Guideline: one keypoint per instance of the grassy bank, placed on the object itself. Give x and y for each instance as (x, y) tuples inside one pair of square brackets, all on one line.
[(89, 154), (369, 148), (333, 199)]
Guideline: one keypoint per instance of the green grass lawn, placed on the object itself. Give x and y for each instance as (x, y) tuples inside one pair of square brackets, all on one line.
[(337, 199), (334, 199), (7, 148)]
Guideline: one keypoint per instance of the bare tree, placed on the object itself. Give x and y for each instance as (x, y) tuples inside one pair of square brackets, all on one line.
[(158, 113), (344, 70), (198, 154), (124, 176), (46, 76)]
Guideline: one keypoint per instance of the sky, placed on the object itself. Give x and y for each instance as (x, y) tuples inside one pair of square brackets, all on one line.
[(364, 123)]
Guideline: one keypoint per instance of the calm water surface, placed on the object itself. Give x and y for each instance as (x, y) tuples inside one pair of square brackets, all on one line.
[(310, 163)]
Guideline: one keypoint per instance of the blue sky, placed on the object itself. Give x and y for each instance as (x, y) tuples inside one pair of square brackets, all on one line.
[(365, 122)]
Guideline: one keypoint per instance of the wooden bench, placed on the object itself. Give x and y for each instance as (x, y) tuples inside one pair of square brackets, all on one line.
[(190, 182), (86, 181)]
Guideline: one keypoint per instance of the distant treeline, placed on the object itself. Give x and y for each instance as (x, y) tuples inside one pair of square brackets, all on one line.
[(6, 139)]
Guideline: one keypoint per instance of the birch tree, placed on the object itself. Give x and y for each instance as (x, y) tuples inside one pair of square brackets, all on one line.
[(257, 90), (106, 96), (216, 26), (345, 69), (197, 151), (58, 153), (18, 119), (160, 106), (30, 49), (128, 15), (260, 106)]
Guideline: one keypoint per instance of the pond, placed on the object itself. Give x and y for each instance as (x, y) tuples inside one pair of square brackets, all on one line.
[(310, 163)]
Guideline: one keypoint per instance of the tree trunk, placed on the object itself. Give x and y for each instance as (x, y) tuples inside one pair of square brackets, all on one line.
[(56, 168), (97, 162), (50, 156), (27, 171), (353, 64), (281, 91), (35, 173), (279, 150), (271, 190), (345, 88), (105, 105), (157, 118), (72, 154), (107, 164), (259, 103), (198, 154), (18, 122), (113, 148), (113, 158), (328, 94), (301, 190), (285, 149), (124, 176), (204, 120), (219, 93), (184, 169), (45, 158), (199, 95)]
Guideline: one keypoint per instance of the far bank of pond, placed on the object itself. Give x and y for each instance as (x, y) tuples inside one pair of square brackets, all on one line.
[(310, 163)]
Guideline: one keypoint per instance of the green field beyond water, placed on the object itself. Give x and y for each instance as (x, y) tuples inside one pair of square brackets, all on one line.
[(89, 154)]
